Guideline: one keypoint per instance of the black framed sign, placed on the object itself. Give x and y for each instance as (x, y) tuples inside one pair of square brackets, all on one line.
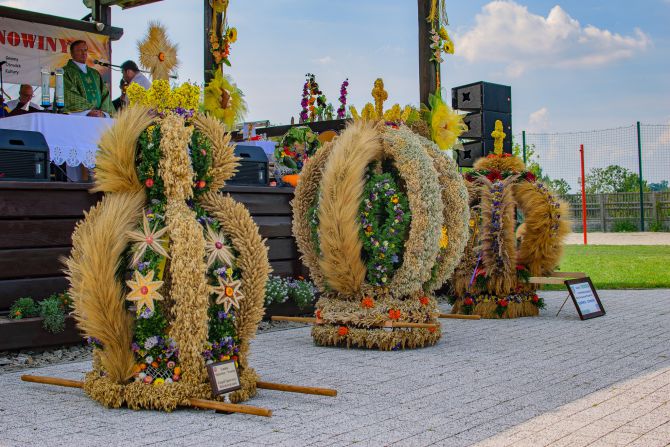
[(585, 297), (223, 377)]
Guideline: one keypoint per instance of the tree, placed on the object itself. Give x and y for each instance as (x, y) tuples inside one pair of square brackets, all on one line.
[(559, 186), (613, 178), (659, 187)]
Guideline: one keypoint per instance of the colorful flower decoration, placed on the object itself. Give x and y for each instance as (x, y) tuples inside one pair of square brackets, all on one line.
[(228, 292), (342, 109), (224, 100), (157, 53), (148, 237), (144, 290), (383, 240), (217, 248), (445, 124), (296, 146)]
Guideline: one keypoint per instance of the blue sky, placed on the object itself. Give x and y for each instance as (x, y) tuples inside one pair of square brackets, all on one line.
[(573, 65)]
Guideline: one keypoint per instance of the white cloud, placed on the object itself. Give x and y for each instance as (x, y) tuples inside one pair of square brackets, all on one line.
[(506, 32), (326, 60), (538, 121)]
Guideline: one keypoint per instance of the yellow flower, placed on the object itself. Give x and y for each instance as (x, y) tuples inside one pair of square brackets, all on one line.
[(368, 112), (394, 114), (136, 94), (448, 46), (446, 126), (159, 382), (232, 35), (394, 199), (444, 239)]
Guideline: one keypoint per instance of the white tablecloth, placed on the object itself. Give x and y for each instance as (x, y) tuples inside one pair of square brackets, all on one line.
[(71, 139)]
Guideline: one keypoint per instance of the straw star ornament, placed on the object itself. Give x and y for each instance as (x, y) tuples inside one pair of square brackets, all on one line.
[(228, 293), (157, 53), (148, 237), (217, 248), (144, 290)]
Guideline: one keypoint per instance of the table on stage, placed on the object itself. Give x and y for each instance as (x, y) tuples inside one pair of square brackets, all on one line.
[(71, 139)]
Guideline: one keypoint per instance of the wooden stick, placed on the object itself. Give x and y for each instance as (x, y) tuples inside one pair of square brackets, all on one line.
[(545, 280), (233, 408), (461, 317), (295, 319), (568, 275), (393, 323), (198, 403), (414, 325), (296, 389), (53, 381)]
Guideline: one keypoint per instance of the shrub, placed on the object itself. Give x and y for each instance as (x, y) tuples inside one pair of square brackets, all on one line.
[(276, 290), (623, 226), (301, 292), (657, 227), (53, 314), (23, 308)]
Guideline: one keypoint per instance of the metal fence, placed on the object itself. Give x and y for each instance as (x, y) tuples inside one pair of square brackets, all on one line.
[(627, 172)]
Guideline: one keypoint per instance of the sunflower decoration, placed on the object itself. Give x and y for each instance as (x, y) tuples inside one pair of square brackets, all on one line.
[(224, 100), (217, 249), (144, 290), (157, 53), (148, 237), (221, 38), (445, 124), (228, 292)]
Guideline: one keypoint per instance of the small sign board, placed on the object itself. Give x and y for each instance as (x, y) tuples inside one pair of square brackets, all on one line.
[(223, 377), (585, 297)]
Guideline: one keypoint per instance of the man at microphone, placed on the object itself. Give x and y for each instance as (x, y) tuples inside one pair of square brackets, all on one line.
[(84, 90)]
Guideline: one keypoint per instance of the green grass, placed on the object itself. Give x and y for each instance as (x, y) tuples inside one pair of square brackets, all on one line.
[(620, 266)]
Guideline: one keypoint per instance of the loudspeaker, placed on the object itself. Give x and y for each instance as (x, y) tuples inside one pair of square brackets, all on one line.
[(24, 156), (253, 166), (481, 124), (482, 96), (472, 150)]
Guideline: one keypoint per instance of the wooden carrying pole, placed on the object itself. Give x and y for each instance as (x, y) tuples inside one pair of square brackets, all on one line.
[(197, 403), (461, 317), (398, 324), (296, 389)]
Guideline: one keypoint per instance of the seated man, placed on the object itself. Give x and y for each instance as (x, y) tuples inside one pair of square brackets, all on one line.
[(120, 102), (23, 104), (85, 91), (132, 75)]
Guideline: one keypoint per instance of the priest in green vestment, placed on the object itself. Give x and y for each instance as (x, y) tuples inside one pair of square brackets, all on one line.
[(85, 91)]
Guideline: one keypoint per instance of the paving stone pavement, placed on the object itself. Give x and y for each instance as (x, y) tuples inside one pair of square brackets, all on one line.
[(480, 383)]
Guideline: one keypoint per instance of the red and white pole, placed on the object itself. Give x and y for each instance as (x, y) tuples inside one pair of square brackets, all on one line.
[(581, 152)]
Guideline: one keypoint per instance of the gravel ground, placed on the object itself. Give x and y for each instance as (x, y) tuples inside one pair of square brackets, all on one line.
[(646, 238), (11, 361)]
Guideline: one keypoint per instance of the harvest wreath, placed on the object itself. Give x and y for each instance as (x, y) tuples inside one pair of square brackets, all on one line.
[(492, 279), (378, 238), (167, 275)]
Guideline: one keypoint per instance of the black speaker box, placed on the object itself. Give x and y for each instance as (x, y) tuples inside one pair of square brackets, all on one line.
[(482, 96), (481, 124), (473, 150), (253, 166), (24, 156)]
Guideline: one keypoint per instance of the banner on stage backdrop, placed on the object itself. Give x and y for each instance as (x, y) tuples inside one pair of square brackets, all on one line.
[(26, 47)]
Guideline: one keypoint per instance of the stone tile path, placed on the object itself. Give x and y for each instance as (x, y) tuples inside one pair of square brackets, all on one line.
[(639, 238), (531, 381)]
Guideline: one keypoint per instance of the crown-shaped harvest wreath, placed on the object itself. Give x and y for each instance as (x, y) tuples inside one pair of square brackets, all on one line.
[(166, 273)]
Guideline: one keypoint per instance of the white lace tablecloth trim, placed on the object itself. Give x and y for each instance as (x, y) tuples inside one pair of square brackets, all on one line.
[(71, 139), (74, 156)]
